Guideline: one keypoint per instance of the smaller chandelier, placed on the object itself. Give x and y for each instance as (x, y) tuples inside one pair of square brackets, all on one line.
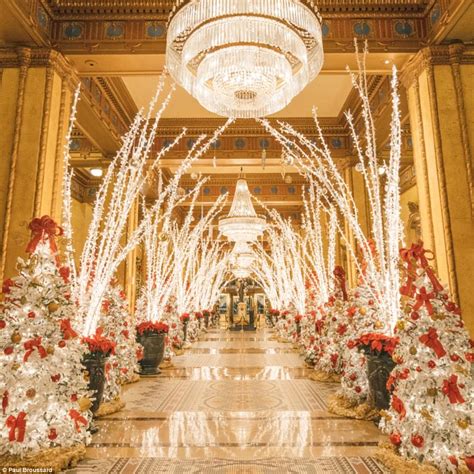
[(242, 224), (241, 58)]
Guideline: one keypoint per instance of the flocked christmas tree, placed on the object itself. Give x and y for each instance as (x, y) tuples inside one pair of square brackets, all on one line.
[(432, 409), (42, 386)]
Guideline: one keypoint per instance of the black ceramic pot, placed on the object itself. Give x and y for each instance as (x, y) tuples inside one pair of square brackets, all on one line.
[(298, 328), (206, 320), (185, 330), (379, 367), (153, 350), (94, 362)]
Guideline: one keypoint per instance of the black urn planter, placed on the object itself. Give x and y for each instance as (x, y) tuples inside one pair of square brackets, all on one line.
[(379, 367), (298, 328), (153, 350), (94, 362), (206, 320), (185, 330)]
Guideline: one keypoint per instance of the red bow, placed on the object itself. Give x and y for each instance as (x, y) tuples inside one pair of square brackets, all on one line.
[(451, 389), (67, 330), (30, 347), (5, 401), (41, 229), (398, 406), (14, 424), (431, 340), (340, 275), (65, 273), (424, 298), (78, 418)]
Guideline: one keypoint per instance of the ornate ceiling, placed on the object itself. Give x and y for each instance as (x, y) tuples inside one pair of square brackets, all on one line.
[(117, 47)]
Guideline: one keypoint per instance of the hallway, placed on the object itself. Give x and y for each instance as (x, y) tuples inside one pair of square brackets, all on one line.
[(234, 403)]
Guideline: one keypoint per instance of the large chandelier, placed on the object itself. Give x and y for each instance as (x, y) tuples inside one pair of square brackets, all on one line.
[(243, 58), (242, 224)]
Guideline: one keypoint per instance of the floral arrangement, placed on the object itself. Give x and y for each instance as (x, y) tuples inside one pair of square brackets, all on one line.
[(150, 326), (99, 343), (184, 318), (374, 344)]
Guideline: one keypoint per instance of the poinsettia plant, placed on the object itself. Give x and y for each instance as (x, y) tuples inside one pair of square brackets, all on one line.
[(199, 315), (99, 343), (184, 318), (150, 326), (374, 344), (298, 318)]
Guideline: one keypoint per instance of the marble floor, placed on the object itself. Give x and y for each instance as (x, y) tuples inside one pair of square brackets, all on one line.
[(236, 402)]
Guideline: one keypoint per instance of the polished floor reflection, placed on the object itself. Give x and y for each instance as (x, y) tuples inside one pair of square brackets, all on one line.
[(234, 403)]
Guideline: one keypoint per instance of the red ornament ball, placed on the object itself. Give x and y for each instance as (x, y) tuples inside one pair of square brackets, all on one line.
[(2, 323), (32, 315), (8, 350), (396, 439), (62, 343), (55, 378), (431, 364), (417, 441), (73, 397), (52, 434)]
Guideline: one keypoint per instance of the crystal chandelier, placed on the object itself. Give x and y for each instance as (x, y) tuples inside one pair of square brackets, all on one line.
[(242, 224), (242, 58)]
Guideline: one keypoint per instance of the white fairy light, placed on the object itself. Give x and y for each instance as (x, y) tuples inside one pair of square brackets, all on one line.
[(316, 161)]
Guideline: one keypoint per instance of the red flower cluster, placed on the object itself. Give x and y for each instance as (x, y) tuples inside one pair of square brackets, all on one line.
[(184, 317), (199, 315), (150, 326), (99, 343), (298, 318), (377, 343), (274, 312)]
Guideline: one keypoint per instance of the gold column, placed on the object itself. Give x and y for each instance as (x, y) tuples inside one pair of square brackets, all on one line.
[(439, 81), (355, 182), (35, 96)]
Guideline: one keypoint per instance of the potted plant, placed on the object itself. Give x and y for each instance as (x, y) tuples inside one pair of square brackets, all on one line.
[(184, 318), (151, 335), (100, 348), (206, 314), (378, 348)]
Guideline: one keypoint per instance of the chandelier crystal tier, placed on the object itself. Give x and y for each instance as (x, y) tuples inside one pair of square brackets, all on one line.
[(241, 58), (242, 224)]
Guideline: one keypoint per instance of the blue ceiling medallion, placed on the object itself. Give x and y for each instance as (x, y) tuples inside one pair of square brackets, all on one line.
[(362, 28), (274, 190), (257, 190), (435, 14), (72, 30), (336, 142), (216, 144), (240, 143), (114, 30), (291, 189), (155, 30), (263, 143), (325, 29), (207, 191), (403, 28)]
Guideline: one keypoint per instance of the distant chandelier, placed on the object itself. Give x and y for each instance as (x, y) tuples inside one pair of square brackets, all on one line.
[(242, 224), (241, 58)]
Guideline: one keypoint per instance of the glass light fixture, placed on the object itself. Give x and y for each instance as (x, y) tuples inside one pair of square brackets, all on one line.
[(96, 172), (242, 224), (241, 58)]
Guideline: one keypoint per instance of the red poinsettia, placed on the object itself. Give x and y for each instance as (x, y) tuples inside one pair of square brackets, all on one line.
[(298, 318), (184, 317), (150, 326), (99, 343), (199, 315), (373, 343)]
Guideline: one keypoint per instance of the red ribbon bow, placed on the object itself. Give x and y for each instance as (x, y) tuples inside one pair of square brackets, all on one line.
[(431, 340), (340, 275), (43, 228), (16, 424), (31, 345), (67, 330), (451, 389), (398, 406), (78, 418), (424, 298), (5, 401)]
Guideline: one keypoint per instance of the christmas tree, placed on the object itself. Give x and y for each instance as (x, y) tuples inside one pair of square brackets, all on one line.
[(431, 414), (121, 367), (42, 387)]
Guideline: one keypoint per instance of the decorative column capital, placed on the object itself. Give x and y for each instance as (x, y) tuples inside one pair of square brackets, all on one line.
[(22, 57), (426, 58)]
